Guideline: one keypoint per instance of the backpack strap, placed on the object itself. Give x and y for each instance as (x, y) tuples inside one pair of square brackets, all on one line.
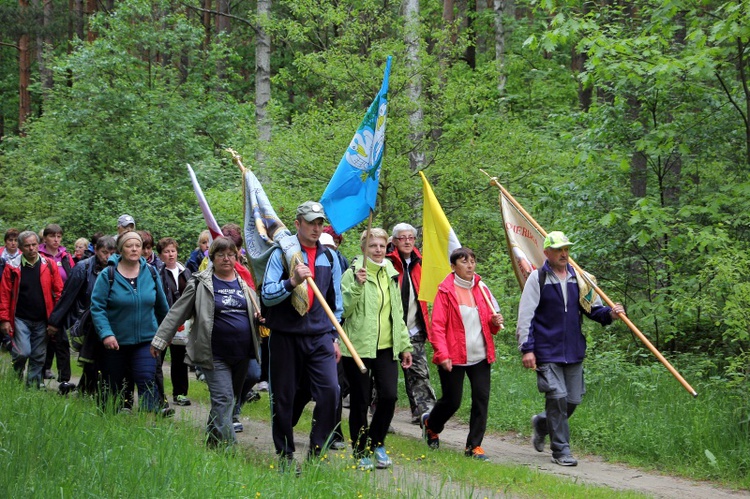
[(65, 263), (542, 279)]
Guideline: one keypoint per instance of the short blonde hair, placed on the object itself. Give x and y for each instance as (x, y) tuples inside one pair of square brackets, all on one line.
[(204, 236), (82, 241), (376, 232)]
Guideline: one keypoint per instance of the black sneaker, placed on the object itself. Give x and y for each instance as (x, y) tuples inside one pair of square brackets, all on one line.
[(181, 400), (237, 425), (287, 464), (252, 396), (65, 387), (537, 437), (167, 412), (565, 460), (429, 436)]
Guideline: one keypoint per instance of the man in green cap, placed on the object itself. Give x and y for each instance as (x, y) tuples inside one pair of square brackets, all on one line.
[(550, 339)]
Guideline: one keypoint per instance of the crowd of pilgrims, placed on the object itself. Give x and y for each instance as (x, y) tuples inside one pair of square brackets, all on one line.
[(120, 301)]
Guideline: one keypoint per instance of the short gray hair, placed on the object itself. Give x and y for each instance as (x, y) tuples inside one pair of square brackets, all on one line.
[(23, 236), (402, 227)]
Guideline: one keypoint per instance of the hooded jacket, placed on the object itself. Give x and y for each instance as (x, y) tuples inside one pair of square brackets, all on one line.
[(132, 316), (362, 314), (197, 301), (448, 336)]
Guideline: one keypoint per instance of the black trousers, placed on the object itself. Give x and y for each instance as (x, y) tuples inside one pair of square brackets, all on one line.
[(453, 388), (292, 359), (382, 371), (59, 346)]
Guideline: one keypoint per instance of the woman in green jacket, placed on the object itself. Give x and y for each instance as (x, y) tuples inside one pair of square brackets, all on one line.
[(375, 326)]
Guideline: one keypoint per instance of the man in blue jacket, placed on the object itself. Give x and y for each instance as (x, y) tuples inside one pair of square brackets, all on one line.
[(550, 339), (303, 344)]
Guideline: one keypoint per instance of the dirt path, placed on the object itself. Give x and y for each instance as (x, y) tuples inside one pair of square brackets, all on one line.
[(511, 450), (502, 449)]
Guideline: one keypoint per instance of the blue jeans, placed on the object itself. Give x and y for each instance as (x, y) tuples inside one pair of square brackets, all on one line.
[(224, 386), (29, 343), (131, 363)]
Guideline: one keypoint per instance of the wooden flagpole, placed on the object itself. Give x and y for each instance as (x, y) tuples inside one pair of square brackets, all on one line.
[(316, 291), (489, 302), (610, 303)]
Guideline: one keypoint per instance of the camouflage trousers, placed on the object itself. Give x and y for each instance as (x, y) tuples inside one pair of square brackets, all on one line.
[(417, 378)]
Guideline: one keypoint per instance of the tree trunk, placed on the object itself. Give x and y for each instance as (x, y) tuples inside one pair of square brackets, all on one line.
[(90, 11), (262, 77), (414, 85), (502, 9), (24, 73), (222, 26), (44, 50), (467, 22)]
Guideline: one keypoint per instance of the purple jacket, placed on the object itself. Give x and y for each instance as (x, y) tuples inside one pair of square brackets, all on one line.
[(548, 326)]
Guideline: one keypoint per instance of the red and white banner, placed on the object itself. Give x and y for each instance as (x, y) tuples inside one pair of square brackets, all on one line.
[(525, 242)]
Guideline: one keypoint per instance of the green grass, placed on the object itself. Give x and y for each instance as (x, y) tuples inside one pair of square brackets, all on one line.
[(634, 414), (54, 446), (638, 415)]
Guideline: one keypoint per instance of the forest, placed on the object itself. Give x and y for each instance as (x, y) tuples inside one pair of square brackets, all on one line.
[(626, 124)]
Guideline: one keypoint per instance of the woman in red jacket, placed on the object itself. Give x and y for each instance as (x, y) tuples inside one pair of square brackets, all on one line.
[(464, 318)]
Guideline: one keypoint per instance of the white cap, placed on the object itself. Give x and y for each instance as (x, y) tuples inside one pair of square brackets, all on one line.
[(327, 240)]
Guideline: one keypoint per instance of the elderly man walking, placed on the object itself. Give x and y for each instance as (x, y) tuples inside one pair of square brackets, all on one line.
[(408, 262), (28, 293), (550, 339)]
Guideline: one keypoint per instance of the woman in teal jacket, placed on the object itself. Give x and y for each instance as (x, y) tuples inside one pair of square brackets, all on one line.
[(375, 326), (127, 305)]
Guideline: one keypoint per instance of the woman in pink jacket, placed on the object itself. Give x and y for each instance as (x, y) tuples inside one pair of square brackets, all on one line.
[(464, 318)]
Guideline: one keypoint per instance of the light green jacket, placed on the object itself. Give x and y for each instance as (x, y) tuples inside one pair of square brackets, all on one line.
[(362, 316), (197, 302)]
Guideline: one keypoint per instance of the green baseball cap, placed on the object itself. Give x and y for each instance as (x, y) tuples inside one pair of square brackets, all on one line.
[(556, 240), (310, 211)]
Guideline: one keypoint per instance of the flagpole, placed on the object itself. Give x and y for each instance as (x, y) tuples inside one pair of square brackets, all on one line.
[(610, 303), (489, 303)]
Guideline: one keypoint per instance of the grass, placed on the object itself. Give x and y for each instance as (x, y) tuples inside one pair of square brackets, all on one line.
[(54, 446), (638, 415), (633, 414)]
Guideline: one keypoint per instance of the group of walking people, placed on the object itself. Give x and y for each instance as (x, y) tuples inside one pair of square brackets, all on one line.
[(128, 310)]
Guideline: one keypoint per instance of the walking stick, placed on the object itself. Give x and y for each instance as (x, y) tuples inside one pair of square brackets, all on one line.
[(604, 297), (311, 283)]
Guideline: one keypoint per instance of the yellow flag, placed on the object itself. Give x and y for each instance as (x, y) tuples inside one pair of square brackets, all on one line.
[(438, 241)]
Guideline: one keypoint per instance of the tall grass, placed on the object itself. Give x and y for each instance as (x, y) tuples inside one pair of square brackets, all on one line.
[(54, 446)]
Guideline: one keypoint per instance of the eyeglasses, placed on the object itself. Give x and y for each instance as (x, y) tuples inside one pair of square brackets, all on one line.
[(225, 256), (406, 238)]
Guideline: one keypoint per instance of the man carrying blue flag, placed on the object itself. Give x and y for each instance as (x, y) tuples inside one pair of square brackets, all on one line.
[(303, 344)]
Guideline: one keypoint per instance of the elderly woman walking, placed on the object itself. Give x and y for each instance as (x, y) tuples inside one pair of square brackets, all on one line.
[(223, 337), (127, 305), (463, 322), (375, 325)]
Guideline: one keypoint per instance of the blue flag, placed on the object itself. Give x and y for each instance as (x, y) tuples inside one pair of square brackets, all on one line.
[(353, 189)]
